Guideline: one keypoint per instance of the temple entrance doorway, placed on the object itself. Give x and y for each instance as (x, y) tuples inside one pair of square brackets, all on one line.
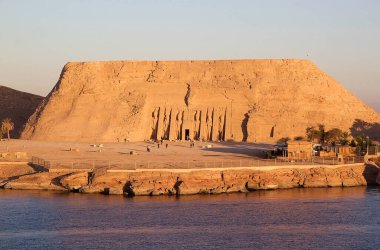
[(187, 134)]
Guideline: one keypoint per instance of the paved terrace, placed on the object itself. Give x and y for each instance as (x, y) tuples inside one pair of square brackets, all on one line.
[(178, 155)]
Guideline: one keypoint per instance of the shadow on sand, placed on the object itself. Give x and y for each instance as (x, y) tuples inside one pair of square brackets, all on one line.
[(240, 148)]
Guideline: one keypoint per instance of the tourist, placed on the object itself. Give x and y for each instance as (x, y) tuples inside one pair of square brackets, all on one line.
[(158, 145), (147, 148), (167, 145)]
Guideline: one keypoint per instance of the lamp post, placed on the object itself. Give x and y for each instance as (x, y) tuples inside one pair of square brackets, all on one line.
[(367, 145)]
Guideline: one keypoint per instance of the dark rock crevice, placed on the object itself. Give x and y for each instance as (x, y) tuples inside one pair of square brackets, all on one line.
[(244, 127), (177, 186), (151, 76), (128, 189), (187, 96)]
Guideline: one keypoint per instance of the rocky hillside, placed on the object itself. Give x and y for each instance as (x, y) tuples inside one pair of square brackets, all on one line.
[(18, 106), (242, 100)]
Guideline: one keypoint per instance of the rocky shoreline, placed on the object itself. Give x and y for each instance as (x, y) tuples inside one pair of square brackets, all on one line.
[(188, 181)]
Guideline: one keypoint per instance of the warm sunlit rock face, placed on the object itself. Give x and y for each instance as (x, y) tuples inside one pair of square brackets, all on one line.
[(242, 100), (199, 181)]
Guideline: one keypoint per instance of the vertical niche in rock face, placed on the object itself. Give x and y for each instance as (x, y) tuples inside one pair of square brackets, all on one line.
[(178, 122), (272, 132), (167, 124), (209, 123), (244, 127), (220, 124), (181, 127), (195, 125), (225, 125), (187, 96), (220, 127), (161, 123), (154, 125)]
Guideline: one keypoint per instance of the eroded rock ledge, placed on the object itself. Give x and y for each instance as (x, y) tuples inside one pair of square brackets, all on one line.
[(190, 181)]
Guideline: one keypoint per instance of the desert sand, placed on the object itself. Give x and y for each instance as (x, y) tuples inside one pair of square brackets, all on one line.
[(120, 153)]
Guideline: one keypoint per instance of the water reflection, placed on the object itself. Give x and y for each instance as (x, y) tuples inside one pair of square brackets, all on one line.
[(296, 193), (303, 218)]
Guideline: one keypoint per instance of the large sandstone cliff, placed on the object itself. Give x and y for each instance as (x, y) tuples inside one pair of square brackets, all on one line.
[(242, 100)]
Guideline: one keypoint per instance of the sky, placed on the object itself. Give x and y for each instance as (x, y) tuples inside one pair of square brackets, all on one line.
[(38, 37)]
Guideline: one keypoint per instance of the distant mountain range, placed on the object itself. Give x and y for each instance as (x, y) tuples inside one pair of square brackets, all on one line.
[(18, 106)]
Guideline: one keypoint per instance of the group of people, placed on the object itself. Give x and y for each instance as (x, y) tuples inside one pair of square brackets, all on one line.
[(158, 145), (125, 140)]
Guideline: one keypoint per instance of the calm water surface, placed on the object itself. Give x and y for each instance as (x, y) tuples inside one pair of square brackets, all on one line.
[(332, 218)]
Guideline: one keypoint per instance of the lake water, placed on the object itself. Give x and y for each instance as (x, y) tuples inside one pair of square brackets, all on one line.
[(327, 218)]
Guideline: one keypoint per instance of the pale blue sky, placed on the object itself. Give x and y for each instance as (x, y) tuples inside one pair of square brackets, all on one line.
[(341, 36)]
